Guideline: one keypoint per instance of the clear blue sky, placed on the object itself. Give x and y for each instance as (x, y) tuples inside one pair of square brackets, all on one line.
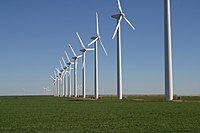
[(35, 33)]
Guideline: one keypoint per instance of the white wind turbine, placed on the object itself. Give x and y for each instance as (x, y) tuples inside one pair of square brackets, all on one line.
[(69, 74), (62, 70), (95, 40), (83, 50), (168, 51), (119, 18), (59, 79), (75, 70), (65, 73), (54, 83)]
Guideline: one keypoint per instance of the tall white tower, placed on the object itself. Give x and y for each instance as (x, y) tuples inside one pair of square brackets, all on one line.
[(168, 51)]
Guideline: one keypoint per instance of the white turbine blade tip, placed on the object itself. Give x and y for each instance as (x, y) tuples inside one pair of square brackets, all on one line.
[(67, 56), (119, 5), (129, 23), (97, 23), (80, 40), (72, 50), (103, 47)]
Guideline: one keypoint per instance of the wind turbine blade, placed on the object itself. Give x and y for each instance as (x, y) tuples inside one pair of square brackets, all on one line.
[(64, 62), (89, 49), (103, 47), (97, 23), (52, 77), (80, 40), (119, 5), (79, 56), (57, 70), (93, 41), (129, 22), (72, 50), (67, 56), (55, 73), (61, 64), (119, 22)]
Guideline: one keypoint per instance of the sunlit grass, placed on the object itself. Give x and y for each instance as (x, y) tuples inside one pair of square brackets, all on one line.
[(52, 114)]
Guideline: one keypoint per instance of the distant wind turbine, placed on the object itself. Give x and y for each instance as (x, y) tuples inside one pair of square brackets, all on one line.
[(69, 74), (54, 83), (62, 78), (59, 79), (83, 50), (75, 70), (65, 76), (119, 18), (96, 69)]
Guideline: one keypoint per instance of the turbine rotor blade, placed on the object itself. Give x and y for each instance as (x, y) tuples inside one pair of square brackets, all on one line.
[(103, 47), (61, 64), (79, 56), (119, 5), (93, 41), (80, 40), (52, 77), (67, 56), (129, 23), (97, 23), (72, 50), (57, 70), (119, 22), (64, 62), (89, 49), (55, 73)]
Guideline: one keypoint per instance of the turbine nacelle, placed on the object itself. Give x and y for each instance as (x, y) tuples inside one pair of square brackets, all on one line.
[(74, 58), (93, 38), (117, 16), (83, 50)]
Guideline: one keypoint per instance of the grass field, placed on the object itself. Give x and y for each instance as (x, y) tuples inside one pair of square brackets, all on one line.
[(108, 115)]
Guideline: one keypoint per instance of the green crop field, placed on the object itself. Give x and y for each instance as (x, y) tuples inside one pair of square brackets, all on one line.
[(108, 115)]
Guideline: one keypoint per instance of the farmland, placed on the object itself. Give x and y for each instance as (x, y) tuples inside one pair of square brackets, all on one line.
[(134, 114)]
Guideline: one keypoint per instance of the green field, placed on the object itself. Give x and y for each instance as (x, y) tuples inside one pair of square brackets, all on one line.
[(108, 115)]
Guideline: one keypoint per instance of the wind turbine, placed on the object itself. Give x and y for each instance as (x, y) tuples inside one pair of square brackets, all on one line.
[(59, 79), (54, 83), (64, 79), (96, 73), (119, 18), (96, 70), (168, 51), (75, 70), (69, 73), (46, 90), (83, 50), (62, 70), (64, 76)]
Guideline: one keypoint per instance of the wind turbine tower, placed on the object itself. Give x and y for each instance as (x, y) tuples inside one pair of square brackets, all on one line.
[(84, 51), (96, 69), (69, 74), (119, 18), (75, 70), (168, 51)]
